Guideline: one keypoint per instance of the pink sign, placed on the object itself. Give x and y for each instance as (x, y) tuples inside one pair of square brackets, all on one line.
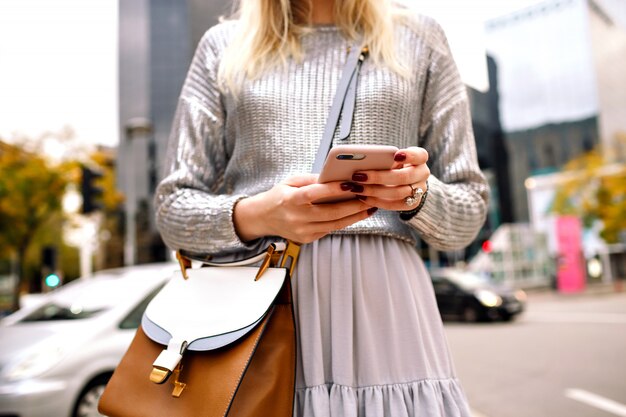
[(571, 265)]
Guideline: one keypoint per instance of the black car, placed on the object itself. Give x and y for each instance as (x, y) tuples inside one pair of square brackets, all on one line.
[(471, 297)]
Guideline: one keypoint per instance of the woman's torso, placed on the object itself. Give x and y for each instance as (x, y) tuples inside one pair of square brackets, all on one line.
[(273, 128)]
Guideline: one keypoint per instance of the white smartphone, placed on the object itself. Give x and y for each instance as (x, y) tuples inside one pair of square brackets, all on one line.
[(344, 160)]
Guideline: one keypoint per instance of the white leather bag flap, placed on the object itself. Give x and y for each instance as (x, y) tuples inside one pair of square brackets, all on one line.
[(214, 306)]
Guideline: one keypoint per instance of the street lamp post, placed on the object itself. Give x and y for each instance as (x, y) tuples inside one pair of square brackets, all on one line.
[(136, 128)]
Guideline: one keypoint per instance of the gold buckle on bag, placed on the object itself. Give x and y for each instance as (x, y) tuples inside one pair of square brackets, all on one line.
[(178, 385), (159, 375), (272, 257)]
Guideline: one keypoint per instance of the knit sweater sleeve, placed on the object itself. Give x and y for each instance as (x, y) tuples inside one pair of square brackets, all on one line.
[(193, 207), (456, 205)]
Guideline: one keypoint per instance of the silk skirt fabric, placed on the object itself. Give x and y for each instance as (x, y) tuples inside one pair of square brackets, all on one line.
[(371, 342)]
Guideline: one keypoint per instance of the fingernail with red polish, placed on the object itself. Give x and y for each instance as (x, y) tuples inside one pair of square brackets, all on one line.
[(347, 186), (361, 197), (359, 177), (399, 157), (357, 188), (372, 210)]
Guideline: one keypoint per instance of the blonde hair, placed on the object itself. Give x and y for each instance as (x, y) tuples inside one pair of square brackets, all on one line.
[(270, 32)]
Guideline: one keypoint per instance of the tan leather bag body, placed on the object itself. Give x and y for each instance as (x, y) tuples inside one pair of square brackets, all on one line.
[(252, 376)]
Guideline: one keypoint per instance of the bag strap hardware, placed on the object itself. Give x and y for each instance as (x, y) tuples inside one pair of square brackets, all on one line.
[(271, 259), (184, 264), (291, 253)]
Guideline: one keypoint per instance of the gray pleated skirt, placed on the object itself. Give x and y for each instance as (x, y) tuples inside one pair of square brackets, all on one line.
[(371, 341)]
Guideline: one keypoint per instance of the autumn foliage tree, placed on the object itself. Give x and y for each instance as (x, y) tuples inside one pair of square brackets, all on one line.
[(595, 190), (31, 191)]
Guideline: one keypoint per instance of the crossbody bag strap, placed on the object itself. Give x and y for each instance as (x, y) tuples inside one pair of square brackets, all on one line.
[(253, 259), (342, 106), (282, 254)]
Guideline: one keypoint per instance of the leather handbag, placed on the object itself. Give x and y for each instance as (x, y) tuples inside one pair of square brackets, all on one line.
[(215, 341), (220, 340)]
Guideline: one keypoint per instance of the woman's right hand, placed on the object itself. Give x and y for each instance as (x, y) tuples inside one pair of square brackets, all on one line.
[(287, 210)]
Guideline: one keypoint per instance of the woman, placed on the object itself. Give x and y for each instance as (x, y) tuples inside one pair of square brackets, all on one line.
[(247, 128)]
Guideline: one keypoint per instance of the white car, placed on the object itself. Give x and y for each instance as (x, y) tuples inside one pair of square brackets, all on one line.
[(57, 356)]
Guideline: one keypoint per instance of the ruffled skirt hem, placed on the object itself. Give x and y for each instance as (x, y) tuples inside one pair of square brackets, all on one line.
[(424, 398)]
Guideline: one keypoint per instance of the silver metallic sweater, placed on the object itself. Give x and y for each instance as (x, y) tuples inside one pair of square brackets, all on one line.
[(223, 149)]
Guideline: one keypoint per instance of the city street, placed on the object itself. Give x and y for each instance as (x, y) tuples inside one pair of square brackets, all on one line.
[(565, 356)]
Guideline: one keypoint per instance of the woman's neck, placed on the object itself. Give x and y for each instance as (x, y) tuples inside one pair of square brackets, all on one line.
[(322, 12)]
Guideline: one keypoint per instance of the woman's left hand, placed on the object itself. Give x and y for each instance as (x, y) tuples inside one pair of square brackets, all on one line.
[(389, 189)]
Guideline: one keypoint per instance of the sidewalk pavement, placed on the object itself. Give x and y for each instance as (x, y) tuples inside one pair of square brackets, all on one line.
[(598, 302), (590, 290)]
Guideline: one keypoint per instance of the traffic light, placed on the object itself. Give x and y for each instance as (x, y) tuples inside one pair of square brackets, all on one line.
[(51, 279), (91, 191)]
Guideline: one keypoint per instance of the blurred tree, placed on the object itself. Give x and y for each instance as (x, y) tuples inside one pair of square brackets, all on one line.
[(595, 190), (32, 187), (31, 192)]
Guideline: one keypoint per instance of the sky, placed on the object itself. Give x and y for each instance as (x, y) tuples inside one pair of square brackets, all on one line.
[(58, 67), (58, 60)]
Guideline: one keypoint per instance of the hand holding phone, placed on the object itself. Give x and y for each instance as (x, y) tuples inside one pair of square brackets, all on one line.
[(344, 160)]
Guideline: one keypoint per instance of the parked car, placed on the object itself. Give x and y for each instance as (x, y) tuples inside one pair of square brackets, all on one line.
[(471, 297), (57, 356)]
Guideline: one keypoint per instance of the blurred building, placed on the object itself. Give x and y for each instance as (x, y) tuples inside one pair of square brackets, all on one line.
[(204, 14), (493, 158), (157, 39), (561, 66)]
